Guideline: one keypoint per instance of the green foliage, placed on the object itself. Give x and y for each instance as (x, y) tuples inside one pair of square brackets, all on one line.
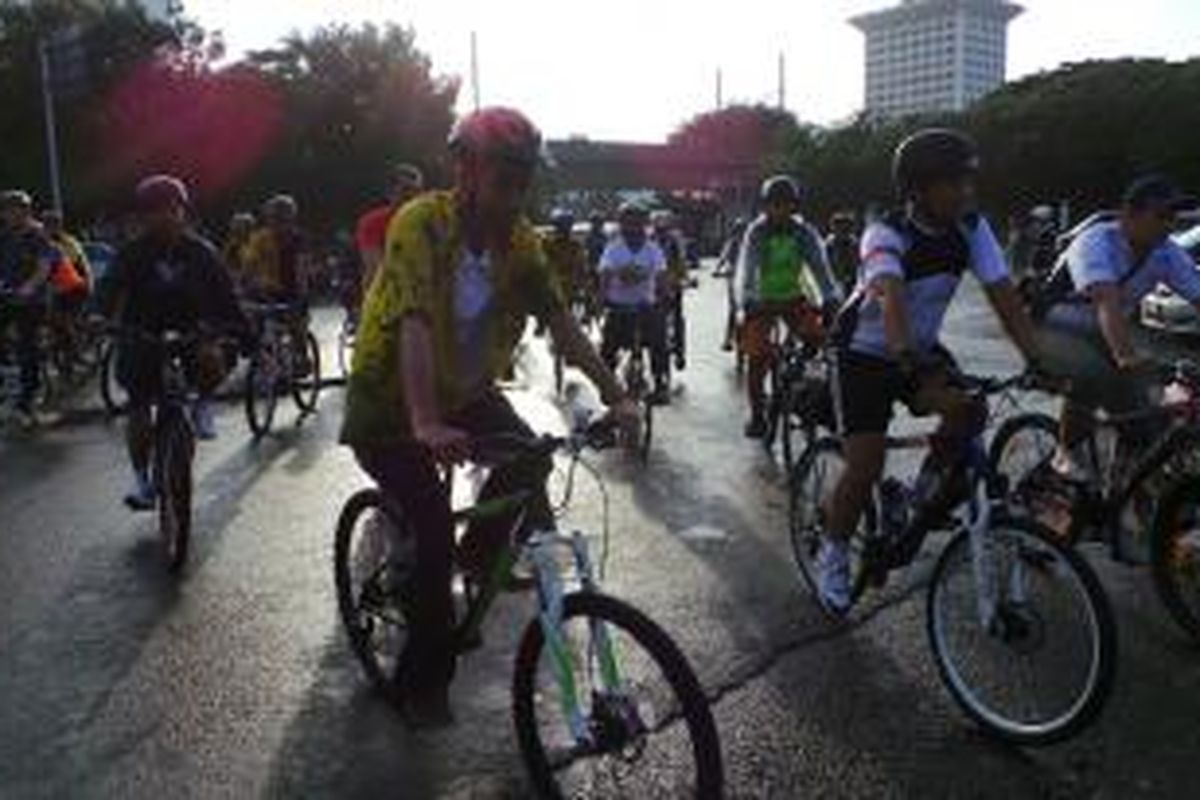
[(342, 104), (1079, 133)]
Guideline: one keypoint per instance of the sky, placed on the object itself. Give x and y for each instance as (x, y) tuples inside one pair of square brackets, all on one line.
[(636, 69)]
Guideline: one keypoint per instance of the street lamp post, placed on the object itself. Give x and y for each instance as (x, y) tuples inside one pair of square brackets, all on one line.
[(51, 125)]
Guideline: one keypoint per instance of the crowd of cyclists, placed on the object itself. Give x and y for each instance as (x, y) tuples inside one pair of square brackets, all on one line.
[(448, 279)]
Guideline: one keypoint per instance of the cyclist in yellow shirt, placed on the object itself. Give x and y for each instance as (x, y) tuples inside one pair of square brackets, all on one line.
[(462, 272), (568, 260)]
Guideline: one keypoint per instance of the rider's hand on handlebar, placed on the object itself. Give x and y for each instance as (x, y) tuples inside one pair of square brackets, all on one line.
[(448, 445)]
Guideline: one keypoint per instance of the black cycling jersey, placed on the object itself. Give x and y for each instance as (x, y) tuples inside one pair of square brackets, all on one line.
[(171, 284)]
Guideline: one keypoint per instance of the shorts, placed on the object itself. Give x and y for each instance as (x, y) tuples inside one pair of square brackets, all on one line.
[(803, 320), (139, 370), (868, 387)]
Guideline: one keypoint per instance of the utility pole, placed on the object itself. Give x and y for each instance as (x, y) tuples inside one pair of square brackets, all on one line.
[(782, 81), (51, 125), (720, 90), (475, 69)]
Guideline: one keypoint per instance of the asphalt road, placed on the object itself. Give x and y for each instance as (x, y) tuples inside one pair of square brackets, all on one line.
[(236, 681)]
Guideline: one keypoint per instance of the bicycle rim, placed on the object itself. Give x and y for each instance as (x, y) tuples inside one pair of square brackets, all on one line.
[(652, 730), (175, 490), (1043, 668), (374, 555), (262, 394), (306, 390)]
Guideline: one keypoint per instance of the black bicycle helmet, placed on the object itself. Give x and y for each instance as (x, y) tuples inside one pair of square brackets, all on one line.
[(562, 219), (281, 208), (780, 187), (932, 155)]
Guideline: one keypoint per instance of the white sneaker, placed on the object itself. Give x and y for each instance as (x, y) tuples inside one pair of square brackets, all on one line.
[(833, 577), (203, 422), (142, 496)]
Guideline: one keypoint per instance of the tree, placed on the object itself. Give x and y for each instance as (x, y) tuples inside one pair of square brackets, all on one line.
[(750, 134), (356, 101)]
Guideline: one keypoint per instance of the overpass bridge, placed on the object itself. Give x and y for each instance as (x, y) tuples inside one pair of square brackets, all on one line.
[(586, 165)]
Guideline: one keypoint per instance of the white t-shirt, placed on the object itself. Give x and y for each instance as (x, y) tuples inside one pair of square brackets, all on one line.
[(629, 277), (473, 297), (931, 264), (1101, 254)]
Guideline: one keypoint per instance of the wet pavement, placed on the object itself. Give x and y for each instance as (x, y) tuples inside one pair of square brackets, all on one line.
[(236, 680)]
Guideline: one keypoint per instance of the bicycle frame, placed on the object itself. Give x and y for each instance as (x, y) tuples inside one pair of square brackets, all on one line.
[(539, 550)]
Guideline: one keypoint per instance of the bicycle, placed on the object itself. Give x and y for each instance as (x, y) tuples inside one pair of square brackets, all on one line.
[(280, 364), (112, 394), (10, 366), (1155, 488), (1004, 595), (347, 337), (578, 696), (633, 374)]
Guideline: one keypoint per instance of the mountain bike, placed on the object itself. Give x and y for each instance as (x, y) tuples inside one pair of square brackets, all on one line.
[(604, 702), (634, 376), (280, 364), (1128, 489), (1020, 629)]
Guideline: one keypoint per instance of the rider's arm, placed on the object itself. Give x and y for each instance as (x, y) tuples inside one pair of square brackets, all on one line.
[(1006, 302), (896, 327), (990, 266), (417, 372), (1106, 298), (578, 351), (47, 258), (817, 258)]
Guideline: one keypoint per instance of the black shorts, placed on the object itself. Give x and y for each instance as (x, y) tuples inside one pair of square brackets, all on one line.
[(871, 386), (139, 370)]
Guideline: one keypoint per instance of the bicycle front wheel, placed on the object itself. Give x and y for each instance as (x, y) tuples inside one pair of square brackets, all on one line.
[(1039, 667), (649, 726), (306, 385), (116, 400), (262, 392), (174, 450), (1175, 549)]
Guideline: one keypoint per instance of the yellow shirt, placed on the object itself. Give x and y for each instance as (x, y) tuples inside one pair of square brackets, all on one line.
[(422, 258)]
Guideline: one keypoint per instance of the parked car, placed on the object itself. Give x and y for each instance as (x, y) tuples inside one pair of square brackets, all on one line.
[(1166, 311)]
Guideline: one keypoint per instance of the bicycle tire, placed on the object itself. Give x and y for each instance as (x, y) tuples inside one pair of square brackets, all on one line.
[(694, 707), (1101, 673), (110, 390), (1165, 555), (345, 352), (1040, 423), (647, 430), (365, 501), (259, 419), (174, 450), (307, 391)]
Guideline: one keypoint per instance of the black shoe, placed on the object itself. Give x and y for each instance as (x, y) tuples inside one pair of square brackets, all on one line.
[(680, 362), (661, 396), (427, 709), (756, 428)]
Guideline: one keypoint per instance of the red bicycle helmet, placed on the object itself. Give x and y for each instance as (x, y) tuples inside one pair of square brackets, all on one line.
[(502, 134)]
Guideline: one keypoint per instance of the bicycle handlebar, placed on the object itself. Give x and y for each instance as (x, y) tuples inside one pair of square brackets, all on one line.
[(499, 448)]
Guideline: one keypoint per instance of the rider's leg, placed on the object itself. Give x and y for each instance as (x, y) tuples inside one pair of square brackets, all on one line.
[(756, 344), (492, 414), (943, 483), (29, 355), (614, 336), (407, 475), (653, 322), (138, 373), (680, 340)]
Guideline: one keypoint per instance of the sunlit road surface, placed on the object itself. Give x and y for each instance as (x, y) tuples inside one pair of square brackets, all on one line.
[(236, 681)]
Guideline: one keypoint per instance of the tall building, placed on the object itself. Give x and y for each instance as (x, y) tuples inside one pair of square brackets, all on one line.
[(934, 55)]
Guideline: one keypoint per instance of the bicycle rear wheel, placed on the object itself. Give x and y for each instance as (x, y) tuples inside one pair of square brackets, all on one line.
[(652, 730), (174, 449), (374, 555), (116, 400), (1041, 669), (306, 390), (1175, 554)]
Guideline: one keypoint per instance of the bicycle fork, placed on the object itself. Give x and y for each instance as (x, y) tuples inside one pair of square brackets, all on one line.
[(550, 618)]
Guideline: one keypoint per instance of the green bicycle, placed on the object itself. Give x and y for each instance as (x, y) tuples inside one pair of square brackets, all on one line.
[(604, 703)]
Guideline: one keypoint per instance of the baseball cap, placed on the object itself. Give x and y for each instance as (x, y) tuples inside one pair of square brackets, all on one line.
[(1157, 193)]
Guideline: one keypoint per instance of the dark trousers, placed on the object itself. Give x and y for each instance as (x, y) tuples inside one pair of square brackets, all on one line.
[(25, 320), (627, 327), (673, 309), (408, 476)]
